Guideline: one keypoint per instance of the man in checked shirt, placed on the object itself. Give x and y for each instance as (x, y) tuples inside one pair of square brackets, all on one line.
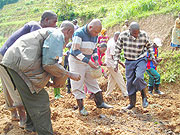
[(135, 44)]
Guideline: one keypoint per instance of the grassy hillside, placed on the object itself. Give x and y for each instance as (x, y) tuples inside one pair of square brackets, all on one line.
[(13, 16), (114, 12)]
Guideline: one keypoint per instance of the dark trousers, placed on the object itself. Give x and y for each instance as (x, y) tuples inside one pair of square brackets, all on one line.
[(135, 75), (36, 106), (66, 66)]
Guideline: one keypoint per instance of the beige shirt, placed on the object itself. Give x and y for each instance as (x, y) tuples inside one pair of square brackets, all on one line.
[(25, 57)]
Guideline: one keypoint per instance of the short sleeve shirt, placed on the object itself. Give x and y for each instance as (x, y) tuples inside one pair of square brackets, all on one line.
[(53, 48)]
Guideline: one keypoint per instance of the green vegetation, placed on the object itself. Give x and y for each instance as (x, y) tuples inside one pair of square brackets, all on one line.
[(4, 2), (170, 71), (13, 16)]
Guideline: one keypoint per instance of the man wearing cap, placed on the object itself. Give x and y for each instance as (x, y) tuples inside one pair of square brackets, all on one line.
[(12, 98), (135, 44), (154, 76)]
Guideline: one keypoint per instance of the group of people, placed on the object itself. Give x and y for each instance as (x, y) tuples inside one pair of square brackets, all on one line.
[(30, 58)]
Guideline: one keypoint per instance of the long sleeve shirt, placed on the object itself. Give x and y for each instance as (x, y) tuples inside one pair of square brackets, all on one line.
[(134, 48), (84, 45), (27, 28)]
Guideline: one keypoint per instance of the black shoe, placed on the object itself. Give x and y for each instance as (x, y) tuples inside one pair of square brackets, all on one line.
[(132, 99), (30, 129), (150, 92), (145, 102), (159, 92), (98, 98), (69, 91), (82, 110), (144, 99)]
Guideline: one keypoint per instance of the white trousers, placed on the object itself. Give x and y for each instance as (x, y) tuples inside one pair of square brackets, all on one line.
[(77, 87), (113, 79)]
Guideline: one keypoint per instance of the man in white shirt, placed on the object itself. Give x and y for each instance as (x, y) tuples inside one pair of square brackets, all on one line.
[(114, 77)]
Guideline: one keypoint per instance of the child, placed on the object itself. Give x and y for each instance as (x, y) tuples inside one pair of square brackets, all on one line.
[(103, 38), (154, 76), (101, 52)]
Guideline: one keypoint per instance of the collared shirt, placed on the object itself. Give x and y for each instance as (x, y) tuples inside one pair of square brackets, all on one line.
[(27, 28), (134, 48), (150, 63), (84, 45), (53, 48), (110, 52)]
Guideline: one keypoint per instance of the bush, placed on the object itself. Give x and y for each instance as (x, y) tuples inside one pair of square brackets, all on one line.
[(5, 2), (64, 10)]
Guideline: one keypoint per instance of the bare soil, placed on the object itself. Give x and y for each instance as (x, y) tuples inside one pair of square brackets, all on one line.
[(161, 117)]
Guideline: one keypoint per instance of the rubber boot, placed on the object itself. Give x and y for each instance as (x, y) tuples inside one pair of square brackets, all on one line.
[(14, 115), (132, 100), (157, 91), (144, 99), (22, 116), (57, 94), (150, 90), (69, 91), (98, 98), (82, 110)]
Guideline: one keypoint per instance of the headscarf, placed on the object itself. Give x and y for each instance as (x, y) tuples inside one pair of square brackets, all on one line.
[(103, 31)]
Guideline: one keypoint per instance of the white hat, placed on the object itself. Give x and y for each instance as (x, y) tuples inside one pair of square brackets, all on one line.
[(157, 41)]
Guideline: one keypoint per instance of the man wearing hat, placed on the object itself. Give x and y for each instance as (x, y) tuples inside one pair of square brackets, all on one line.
[(154, 76)]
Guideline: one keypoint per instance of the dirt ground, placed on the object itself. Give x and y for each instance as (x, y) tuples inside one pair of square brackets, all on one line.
[(161, 117)]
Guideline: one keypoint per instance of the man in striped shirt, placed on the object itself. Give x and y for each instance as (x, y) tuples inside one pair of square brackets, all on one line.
[(135, 44), (83, 47)]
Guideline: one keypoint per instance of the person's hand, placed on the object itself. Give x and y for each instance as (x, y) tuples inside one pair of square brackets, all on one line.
[(74, 76), (122, 64), (154, 62), (49, 84), (104, 64), (93, 65), (159, 60), (105, 75), (116, 68)]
